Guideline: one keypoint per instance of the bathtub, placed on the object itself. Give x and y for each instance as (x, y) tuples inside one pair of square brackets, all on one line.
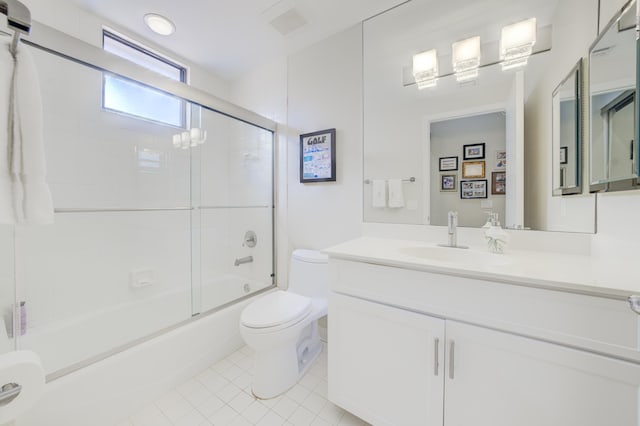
[(109, 390)]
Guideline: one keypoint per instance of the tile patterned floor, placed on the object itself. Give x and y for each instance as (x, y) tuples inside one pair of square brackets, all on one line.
[(221, 396)]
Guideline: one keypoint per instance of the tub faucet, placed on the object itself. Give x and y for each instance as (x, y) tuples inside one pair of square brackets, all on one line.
[(247, 259), (452, 231)]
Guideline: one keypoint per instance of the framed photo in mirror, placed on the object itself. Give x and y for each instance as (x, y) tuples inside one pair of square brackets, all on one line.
[(501, 159), (563, 154), (448, 183), (498, 183), (473, 151), (448, 164), (473, 169), (473, 189)]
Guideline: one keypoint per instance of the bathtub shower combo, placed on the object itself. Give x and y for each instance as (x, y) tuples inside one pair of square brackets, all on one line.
[(157, 221)]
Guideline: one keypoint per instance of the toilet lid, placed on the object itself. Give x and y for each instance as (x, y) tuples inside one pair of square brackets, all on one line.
[(274, 309)]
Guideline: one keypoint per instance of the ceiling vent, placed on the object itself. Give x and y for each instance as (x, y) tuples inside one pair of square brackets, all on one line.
[(288, 22)]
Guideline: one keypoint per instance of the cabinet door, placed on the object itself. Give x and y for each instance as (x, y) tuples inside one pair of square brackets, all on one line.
[(385, 364), (498, 379)]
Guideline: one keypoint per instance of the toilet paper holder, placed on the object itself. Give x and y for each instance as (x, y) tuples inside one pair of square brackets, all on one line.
[(9, 392)]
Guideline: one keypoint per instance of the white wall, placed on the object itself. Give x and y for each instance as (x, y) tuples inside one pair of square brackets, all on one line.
[(315, 89), (81, 24), (574, 29)]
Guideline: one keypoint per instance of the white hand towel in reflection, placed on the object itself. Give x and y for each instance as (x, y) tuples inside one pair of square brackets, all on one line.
[(24, 193), (396, 197), (379, 194)]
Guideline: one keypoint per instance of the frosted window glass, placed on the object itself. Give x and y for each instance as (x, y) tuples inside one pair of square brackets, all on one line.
[(128, 97)]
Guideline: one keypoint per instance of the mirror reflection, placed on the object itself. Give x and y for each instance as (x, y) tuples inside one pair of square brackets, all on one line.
[(410, 47), (612, 91), (567, 134)]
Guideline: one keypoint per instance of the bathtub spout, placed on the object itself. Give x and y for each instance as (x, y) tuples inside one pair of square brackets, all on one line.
[(247, 259)]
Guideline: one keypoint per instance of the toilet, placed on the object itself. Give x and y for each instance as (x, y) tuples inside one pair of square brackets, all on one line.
[(282, 326)]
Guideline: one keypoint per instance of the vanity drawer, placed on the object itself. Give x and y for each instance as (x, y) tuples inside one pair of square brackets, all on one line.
[(598, 324)]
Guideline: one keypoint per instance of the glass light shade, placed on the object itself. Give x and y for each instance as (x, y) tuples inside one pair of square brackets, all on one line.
[(466, 58), (159, 24), (425, 69), (516, 43)]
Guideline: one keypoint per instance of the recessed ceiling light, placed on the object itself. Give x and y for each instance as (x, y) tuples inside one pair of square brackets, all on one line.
[(159, 24)]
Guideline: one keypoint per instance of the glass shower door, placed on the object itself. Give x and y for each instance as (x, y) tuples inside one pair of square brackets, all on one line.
[(232, 192)]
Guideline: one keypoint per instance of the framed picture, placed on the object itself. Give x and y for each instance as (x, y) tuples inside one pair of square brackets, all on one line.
[(472, 189), (498, 183), (448, 183), (501, 159), (448, 164), (473, 152), (564, 150), (473, 169), (318, 156)]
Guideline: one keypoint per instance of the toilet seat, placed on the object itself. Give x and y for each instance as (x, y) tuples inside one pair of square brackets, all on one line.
[(276, 310)]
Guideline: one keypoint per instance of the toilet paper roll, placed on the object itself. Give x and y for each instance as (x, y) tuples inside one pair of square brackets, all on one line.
[(22, 368)]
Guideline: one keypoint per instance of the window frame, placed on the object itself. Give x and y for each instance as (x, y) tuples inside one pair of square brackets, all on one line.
[(141, 48)]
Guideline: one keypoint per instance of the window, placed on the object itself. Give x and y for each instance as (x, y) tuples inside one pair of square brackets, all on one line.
[(129, 97)]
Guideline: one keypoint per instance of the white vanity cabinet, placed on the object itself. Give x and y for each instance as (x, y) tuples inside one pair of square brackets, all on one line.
[(408, 360), (386, 364)]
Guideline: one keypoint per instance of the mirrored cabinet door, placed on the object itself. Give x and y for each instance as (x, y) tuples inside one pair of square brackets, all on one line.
[(613, 106), (567, 134)]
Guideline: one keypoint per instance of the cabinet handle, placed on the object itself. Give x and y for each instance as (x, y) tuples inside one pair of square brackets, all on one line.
[(452, 347), (436, 355)]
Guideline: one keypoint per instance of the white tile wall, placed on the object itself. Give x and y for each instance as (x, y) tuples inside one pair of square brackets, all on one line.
[(221, 395)]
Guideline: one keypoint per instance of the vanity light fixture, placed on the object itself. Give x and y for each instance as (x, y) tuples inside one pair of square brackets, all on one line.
[(159, 24), (425, 69), (516, 43), (466, 58)]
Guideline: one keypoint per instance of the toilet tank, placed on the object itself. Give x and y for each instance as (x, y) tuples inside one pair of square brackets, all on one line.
[(309, 273)]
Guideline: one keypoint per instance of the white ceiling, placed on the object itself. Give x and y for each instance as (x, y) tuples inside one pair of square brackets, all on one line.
[(230, 37)]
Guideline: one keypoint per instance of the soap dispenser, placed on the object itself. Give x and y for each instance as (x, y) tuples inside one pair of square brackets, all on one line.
[(497, 238)]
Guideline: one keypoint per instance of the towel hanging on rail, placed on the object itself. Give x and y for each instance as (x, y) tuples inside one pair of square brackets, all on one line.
[(24, 194)]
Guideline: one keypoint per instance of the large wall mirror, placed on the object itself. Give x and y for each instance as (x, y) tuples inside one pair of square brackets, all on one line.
[(461, 144), (613, 105), (567, 134)]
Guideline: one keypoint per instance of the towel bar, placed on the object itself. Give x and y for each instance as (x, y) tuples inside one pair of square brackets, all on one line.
[(411, 179)]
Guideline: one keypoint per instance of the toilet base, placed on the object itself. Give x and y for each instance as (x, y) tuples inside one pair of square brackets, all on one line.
[(277, 369)]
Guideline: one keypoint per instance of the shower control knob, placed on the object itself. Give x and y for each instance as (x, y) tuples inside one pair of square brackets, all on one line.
[(634, 303), (250, 239)]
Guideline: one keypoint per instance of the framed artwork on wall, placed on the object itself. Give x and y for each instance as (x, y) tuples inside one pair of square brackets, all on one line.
[(318, 156), (448, 183), (473, 151), (473, 189), (501, 159), (498, 183), (473, 169), (448, 164)]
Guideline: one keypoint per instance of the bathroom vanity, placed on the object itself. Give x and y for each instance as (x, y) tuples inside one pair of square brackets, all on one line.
[(426, 335)]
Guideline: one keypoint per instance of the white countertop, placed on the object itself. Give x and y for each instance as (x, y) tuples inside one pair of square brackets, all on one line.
[(554, 271)]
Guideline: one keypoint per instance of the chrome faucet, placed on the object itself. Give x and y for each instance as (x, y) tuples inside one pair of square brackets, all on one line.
[(452, 231), (247, 259)]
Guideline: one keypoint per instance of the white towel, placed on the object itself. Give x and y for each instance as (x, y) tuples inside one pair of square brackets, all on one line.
[(379, 193), (24, 193), (396, 198)]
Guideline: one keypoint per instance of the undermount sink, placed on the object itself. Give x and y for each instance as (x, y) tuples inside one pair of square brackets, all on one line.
[(456, 256)]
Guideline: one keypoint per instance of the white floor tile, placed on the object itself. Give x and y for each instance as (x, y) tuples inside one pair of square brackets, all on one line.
[(298, 393), (255, 412), (223, 416), (241, 402), (210, 406), (285, 407), (331, 413), (271, 419), (228, 392), (315, 403), (221, 396), (302, 417)]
